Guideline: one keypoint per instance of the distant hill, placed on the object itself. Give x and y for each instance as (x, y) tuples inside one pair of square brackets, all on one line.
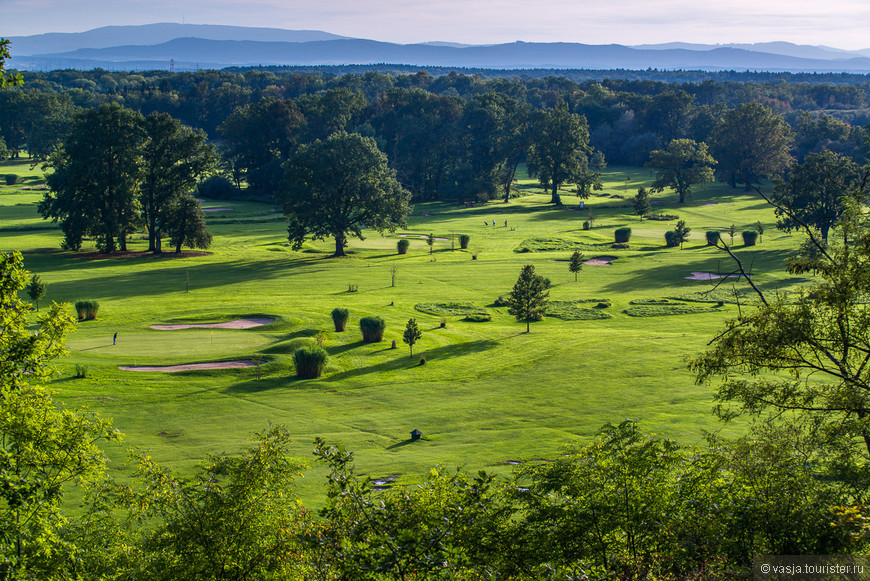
[(150, 34), (205, 46)]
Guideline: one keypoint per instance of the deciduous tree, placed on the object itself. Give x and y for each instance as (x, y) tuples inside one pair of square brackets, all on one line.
[(339, 186), (412, 335), (95, 178), (683, 164), (559, 140)]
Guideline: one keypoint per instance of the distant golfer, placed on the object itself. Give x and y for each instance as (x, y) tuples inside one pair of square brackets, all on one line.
[(115, 339), (505, 223)]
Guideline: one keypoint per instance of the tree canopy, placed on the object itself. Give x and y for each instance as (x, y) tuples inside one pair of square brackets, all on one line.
[(683, 164), (560, 144), (528, 299), (337, 187)]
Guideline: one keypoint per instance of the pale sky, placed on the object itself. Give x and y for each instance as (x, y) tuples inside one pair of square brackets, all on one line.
[(838, 23)]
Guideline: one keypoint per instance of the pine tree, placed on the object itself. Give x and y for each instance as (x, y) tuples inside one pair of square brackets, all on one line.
[(528, 299)]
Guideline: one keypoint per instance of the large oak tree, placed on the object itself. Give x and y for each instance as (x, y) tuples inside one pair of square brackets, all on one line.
[(560, 144), (337, 187)]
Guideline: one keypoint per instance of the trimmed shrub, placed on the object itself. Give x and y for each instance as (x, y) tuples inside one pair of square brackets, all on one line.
[(622, 235), (402, 246), (11, 179), (352, 287), (87, 310), (309, 361), (586, 225), (750, 237), (372, 329), (464, 239), (713, 237), (339, 318), (671, 239), (662, 217), (81, 371)]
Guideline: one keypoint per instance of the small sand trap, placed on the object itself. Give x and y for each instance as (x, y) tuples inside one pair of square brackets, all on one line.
[(424, 236), (600, 261), (191, 366), (217, 209), (710, 276), (237, 324)]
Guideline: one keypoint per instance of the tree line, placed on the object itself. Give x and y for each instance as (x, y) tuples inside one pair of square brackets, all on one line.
[(448, 137)]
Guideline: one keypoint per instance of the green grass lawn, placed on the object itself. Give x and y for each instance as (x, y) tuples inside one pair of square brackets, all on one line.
[(488, 393)]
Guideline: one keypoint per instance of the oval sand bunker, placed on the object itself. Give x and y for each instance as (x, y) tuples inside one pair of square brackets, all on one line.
[(237, 324), (710, 276), (600, 261), (191, 366)]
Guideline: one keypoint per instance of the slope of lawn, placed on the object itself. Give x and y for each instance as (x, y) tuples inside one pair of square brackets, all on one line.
[(488, 393)]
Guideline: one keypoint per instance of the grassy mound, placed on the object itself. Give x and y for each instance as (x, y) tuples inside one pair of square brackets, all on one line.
[(551, 245), (571, 311), (665, 310), (455, 309)]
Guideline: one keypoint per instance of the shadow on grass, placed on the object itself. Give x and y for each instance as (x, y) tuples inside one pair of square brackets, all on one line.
[(404, 362), (404, 443)]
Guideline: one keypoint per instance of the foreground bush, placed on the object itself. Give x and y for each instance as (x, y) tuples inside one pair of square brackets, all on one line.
[(750, 237), (464, 239), (339, 318), (671, 239), (11, 179), (87, 310), (622, 235), (372, 329), (402, 246), (309, 361)]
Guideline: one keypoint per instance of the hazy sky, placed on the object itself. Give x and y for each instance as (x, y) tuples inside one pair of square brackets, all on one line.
[(837, 23)]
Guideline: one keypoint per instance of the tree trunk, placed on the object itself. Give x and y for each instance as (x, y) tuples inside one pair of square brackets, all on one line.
[(340, 242), (123, 237), (158, 243), (555, 198)]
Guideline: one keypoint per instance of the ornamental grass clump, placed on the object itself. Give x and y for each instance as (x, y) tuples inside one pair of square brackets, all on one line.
[(309, 361), (464, 239), (339, 319), (713, 237), (87, 310), (750, 237), (372, 329), (402, 246)]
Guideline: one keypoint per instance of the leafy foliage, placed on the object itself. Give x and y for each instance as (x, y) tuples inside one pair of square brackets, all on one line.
[(682, 165), (338, 187)]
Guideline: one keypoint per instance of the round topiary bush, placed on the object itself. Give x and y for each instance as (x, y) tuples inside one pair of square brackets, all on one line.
[(339, 318), (750, 237), (309, 361), (712, 237), (402, 246), (671, 239), (372, 329), (464, 239), (622, 235), (11, 179)]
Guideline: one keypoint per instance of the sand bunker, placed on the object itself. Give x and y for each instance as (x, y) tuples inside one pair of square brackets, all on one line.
[(600, 261), (237, 324), (191, 366), (424, 236), (710, 276)]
